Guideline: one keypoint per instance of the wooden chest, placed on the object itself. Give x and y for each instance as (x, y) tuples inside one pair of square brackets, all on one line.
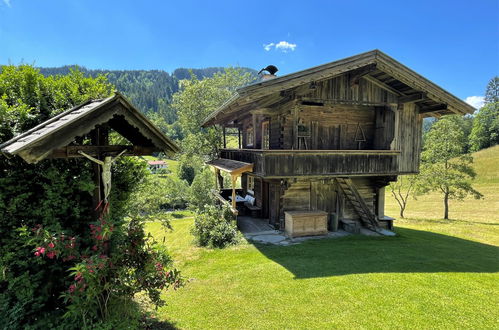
[(305, 223)]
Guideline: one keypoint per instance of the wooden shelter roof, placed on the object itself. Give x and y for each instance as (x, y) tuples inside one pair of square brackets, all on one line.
[(231, 166), (377, 67), (116, 111)]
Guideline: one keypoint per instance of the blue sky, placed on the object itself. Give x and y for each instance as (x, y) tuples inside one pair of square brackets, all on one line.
[(453, 43)]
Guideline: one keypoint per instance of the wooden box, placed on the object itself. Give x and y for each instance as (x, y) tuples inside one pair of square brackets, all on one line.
[(305, 223)]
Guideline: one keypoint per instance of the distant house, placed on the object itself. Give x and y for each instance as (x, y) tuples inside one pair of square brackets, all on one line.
[(155, 165)]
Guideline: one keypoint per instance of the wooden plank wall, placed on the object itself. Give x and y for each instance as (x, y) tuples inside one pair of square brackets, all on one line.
[(367, 190), (340, 88), (408, 131), (275, 132), (325, 195)]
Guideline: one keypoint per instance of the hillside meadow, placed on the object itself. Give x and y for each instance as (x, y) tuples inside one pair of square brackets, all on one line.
[(434, 274)]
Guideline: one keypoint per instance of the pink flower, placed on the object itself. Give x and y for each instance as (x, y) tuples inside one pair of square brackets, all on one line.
[(99, 237), (51, 254), (40, 249), (78, 277), (94, 247), (51, 245), (72, 288), (37, 253)]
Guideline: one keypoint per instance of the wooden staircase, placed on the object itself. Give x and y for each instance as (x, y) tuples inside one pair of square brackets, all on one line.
[(367, 217)]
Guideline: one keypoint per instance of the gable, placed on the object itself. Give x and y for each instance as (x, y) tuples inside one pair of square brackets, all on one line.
[(116, 112), (398, 83)]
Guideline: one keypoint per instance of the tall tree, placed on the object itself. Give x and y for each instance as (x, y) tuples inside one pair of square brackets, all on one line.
[(199, 98), (485, 130), (445, 168), (492, 91)]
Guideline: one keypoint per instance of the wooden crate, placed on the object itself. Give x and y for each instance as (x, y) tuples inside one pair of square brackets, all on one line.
[(305, 223)]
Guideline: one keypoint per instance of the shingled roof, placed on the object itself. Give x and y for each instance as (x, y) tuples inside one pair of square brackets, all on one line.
[(61, 130), (384, 71)]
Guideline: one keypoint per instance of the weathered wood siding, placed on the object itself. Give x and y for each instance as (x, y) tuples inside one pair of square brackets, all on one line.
[(273, 163), (367, 191), (330, 127), (341, 89), (408, 131), (325, 195)]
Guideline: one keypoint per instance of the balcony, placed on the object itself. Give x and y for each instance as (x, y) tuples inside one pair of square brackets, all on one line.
[(279, 163)]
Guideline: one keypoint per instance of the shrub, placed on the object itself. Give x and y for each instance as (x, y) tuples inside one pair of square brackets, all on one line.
[(215, 227), (200, 191)]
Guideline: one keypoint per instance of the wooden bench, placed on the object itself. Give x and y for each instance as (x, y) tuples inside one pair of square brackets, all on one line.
[(387, 222), (253, 210)]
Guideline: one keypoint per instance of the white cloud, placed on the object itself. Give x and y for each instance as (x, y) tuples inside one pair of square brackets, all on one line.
[(475, 101), (283, 46), (7, 3), (268, 47)]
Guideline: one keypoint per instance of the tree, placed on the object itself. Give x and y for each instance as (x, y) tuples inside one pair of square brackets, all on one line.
[(492, 91), (402, 189), (444, 167), (485, 130), (200, 195), (199, 98)]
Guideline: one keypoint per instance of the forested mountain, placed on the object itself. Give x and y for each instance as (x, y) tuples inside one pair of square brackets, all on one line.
[(149, 90)]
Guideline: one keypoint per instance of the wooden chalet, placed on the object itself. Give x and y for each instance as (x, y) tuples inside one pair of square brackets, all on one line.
[(330, 138)]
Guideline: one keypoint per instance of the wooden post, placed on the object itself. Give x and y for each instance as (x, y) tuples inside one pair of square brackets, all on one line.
[(239, 137), (225, 139), (234, 179), (97, 175), (217, 174), (381, 202)]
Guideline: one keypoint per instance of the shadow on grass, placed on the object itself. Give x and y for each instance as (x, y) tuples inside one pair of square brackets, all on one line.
[(412, 251), (451, 221), (153, 324)]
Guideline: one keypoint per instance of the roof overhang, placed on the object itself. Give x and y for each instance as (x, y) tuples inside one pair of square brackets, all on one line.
[(244, 96), (49, 137), (233, 167)]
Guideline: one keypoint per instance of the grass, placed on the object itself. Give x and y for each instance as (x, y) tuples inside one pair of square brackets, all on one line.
[(434, 274)]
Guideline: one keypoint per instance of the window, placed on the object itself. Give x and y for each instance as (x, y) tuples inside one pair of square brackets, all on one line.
[(265, 135), (251, 185), (250, 137)]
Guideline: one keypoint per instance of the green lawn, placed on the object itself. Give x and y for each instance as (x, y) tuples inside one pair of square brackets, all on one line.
[(434, 274)]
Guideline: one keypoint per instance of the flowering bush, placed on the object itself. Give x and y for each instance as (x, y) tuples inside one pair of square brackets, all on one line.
[(116, 264)]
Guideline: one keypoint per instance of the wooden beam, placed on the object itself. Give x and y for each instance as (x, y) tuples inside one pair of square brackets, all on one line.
[(434, 108), (418, 97), (355, 75), (382, 85), (95, 151)]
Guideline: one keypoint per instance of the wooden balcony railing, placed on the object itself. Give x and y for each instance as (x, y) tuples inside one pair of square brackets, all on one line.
[(287, 163)]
